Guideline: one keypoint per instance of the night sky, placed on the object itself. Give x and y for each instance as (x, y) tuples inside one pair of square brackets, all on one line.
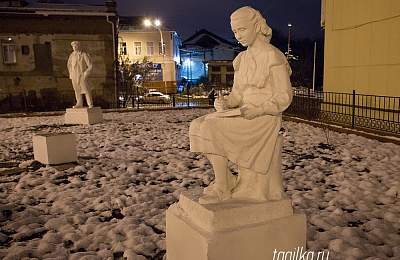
[(187, 16)]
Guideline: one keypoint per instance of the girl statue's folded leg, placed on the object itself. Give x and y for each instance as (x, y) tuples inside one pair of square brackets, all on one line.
[(223, 183), (276, 190)]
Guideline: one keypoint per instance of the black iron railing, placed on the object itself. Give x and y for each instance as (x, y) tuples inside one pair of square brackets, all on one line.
[(47, 100), (348, 109), (353, 110)]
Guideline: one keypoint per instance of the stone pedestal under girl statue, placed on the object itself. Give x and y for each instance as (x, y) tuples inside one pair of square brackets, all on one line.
[(249, 216)]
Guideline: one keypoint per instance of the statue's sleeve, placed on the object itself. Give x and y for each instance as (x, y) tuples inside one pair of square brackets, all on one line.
[(69, 63), (282, 96), (235, 97), (88, 62)]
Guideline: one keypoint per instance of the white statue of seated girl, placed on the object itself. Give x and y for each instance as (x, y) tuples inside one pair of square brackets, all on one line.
[(251, 139)]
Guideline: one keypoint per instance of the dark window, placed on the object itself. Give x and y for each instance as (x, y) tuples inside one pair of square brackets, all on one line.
[(229, 68), (215, 68), (43, 59), (229, 79), (122, 48), (25, 49), (161, 48), (216, 78)]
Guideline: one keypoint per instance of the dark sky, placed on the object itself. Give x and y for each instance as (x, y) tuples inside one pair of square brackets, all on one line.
[(187, 16)]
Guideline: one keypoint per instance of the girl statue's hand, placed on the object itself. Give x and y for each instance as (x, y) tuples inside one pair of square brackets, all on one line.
[(220, 104), (250, 111)]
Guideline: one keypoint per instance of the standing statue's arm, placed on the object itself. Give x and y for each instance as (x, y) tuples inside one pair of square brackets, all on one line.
[(69, 65), (88, 62)]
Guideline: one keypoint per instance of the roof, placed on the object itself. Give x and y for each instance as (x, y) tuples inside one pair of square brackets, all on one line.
[(50, 1), (136, 23), (207, 40), (49, 6)]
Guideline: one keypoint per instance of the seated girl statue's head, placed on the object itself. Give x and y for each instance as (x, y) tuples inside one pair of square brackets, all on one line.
[(247, 24)]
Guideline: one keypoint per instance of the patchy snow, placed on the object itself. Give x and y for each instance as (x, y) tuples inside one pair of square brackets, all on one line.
[(134, 165)]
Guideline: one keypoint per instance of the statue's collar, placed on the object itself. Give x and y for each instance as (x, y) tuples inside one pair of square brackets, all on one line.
[(256, 51)]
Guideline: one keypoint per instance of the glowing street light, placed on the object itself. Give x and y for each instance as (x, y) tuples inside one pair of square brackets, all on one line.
[(147, 22), (288, 56), (157, 25)]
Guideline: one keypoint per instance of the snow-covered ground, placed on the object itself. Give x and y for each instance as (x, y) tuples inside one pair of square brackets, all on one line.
[(134, 165)]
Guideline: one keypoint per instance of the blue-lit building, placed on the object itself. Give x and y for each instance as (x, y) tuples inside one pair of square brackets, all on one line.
[(206, 55)]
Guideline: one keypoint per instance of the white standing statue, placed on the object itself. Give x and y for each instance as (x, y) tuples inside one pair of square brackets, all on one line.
[(245, 128), (80, 67)]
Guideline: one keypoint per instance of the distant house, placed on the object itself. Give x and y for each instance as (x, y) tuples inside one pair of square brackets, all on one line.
[(205, 54), (362, 50), (36, 43), (137, 41)]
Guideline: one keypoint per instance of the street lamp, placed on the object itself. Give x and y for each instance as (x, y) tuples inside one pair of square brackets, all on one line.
[(288, 46), (156, 25)]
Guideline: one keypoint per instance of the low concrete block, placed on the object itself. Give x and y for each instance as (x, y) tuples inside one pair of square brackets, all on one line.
[(83, 115), (55, 148), (233, 230)]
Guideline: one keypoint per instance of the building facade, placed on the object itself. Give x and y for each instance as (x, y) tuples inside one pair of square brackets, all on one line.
[(205, 54), (36, 43), (137, 41), (362, 50)]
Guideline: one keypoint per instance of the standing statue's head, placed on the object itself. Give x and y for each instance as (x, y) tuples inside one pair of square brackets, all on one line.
[(247, 24), (76, 46)]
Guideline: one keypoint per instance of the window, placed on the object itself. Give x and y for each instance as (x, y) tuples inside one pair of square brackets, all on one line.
[(43, 59), (8, 47), (150, 48), (229, 79), (24, 49), (216, 78), (215, 68), (230, 69), (122, 48), (160, 48), (137, 48)]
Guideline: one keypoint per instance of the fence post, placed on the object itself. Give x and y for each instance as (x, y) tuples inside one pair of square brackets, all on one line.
[(188, 98), (24, 97), (354, 109), (138, 98), (10, 101), (173, 100), (308, 103)]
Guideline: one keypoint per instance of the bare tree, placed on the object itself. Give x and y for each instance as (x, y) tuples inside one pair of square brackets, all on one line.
[(134, 78)]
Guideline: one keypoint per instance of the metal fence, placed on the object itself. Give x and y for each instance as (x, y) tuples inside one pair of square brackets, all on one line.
[(353, 110), (192, 96), (45, 100), (53, 100)]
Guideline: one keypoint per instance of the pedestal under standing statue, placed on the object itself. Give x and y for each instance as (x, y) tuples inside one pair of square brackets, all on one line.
[(80, 67), (248, 217)]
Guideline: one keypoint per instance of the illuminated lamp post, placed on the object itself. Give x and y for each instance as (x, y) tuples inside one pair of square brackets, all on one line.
[(156, 25), (288, 46)]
